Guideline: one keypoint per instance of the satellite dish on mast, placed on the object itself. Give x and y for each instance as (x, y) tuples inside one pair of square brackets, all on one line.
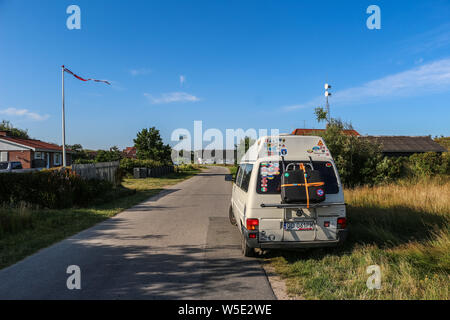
[(327, 86), (327, 94)]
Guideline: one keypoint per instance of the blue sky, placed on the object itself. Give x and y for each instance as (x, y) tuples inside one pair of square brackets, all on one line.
[(232, 64)]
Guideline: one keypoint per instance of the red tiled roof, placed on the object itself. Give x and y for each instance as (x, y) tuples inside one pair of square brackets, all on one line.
[(130, 152), (308, 132), (36, 144)]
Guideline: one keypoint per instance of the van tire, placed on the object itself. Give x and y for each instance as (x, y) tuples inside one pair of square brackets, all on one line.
[(232, 217), (246, 250)]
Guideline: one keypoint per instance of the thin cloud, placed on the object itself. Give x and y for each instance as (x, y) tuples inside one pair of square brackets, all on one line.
[(427, 78), (139, 72), (171, 97), (430, 40), (24, 113), (182, 79)]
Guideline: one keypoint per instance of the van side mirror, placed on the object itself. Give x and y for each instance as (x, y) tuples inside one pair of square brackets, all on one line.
[(229, 177)]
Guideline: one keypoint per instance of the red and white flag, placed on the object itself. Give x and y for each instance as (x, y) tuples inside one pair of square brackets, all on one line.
[(80, 78)]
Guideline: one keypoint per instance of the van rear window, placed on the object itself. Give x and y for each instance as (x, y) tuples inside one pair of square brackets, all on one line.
[(269, 176)]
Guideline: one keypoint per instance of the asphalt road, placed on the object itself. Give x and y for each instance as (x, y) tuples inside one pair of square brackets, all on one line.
[(177, 245)]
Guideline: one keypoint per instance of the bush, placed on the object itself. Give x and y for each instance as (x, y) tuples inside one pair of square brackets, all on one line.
[(445, 165), (428, 164), (50, 189), (127, 165), (356, 159), (390, 170)]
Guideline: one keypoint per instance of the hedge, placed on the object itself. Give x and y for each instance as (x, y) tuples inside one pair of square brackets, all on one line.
[(127, 165), (50, 189)]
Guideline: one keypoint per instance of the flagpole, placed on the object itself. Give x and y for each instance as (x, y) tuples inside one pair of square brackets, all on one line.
[(63, 122)]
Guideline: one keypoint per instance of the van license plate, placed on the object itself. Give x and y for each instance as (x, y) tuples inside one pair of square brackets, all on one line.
[(299, 226)]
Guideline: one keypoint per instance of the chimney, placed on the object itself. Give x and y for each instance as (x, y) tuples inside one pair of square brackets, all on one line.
[(4, 133)]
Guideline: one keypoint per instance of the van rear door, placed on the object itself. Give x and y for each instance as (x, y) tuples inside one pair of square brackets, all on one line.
[(298, 224)]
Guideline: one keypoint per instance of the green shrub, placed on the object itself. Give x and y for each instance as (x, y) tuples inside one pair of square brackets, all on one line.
[(428, 164), (356, 159), (50, 189), (390, 169), (445, 164), (127, 165)]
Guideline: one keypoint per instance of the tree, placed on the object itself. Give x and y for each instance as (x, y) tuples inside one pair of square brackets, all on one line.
[(243, 147), (321, 114), (113, 154), (79, 155), (355, 158), (14, 132), (149, 145)]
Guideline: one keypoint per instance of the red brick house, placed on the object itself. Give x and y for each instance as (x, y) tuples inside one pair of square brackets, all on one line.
[(31, 153), (129, 152)]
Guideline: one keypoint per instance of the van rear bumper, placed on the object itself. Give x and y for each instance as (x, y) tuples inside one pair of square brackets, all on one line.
[(254, 243)]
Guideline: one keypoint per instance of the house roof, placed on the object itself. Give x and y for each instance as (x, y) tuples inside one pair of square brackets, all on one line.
[(406, 144), (130, 152), (36, 145), (309, 132)]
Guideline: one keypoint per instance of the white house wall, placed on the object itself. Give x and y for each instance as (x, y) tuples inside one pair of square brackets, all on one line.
[(8, 146)]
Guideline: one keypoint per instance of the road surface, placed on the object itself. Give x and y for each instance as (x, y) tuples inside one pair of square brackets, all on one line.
[(177, 245)]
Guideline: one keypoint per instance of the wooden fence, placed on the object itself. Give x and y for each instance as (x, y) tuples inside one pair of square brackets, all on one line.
[(102, 170), (140, 173)]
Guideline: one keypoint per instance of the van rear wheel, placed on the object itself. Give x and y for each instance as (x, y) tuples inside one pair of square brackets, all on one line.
[(246, 250), (231, 215)]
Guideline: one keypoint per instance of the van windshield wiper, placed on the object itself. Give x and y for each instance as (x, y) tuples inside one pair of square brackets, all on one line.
[(311, 163)]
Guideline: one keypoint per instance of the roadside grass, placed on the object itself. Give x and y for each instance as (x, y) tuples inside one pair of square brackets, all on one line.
[(25, 230), (403, 228)]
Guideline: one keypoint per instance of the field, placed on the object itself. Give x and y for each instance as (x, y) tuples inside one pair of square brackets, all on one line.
[(23, 231), (402, 228)]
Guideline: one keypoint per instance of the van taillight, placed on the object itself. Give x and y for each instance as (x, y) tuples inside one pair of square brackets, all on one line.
[(342, 223), (252, 224)]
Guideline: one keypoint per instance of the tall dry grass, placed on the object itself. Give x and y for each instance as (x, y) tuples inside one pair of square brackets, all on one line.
[(430, 195), (403, 228)]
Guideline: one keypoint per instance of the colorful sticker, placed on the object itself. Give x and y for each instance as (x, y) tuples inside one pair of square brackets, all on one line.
[(320, 192), (328, 165)]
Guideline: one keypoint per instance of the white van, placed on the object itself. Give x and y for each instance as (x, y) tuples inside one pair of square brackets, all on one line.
[(257, 209)]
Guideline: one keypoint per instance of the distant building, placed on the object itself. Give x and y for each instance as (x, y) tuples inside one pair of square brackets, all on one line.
[(129, 153), (215, 156), (396, 146), (31, 153)]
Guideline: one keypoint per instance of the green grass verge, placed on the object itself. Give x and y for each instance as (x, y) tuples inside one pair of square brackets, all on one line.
[(37, 229), (404, 229)]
